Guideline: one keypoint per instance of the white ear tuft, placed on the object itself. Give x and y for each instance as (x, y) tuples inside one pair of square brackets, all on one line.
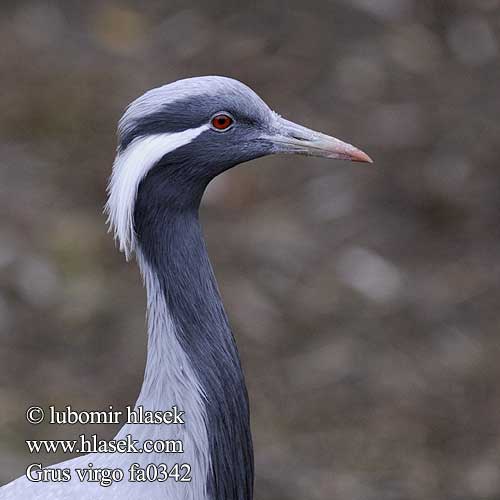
[(129, 168)]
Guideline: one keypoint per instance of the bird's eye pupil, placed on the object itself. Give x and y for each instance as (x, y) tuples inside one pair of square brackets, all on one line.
[(222, 122)]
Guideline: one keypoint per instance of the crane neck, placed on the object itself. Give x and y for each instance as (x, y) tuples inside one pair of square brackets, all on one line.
[(192, 355)]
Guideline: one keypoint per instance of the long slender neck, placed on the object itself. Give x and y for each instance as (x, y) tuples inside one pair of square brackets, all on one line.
[(173, 255)]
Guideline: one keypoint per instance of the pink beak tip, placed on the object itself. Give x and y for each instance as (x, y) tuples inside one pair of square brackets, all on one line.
[(360, 156)]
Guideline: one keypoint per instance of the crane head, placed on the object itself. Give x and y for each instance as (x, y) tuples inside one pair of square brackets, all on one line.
[(189, 131)]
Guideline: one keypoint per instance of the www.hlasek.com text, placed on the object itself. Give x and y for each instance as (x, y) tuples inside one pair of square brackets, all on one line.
[(92, 444)]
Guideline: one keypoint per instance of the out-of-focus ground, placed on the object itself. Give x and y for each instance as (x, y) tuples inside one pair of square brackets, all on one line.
[(365, 300)]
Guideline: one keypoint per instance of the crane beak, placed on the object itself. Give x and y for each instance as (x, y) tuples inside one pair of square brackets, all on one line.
[(295, 139)]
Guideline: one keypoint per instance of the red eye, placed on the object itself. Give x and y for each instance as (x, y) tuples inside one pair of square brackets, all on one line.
[(222, 122)]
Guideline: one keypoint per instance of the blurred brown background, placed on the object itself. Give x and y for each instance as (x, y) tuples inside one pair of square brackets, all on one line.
[(365, 300)]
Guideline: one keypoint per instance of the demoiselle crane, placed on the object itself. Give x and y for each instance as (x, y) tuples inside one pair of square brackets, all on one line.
[(172, 142)]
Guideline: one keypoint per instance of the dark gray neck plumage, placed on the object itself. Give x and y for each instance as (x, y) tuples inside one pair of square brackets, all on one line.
[(171, 242)]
